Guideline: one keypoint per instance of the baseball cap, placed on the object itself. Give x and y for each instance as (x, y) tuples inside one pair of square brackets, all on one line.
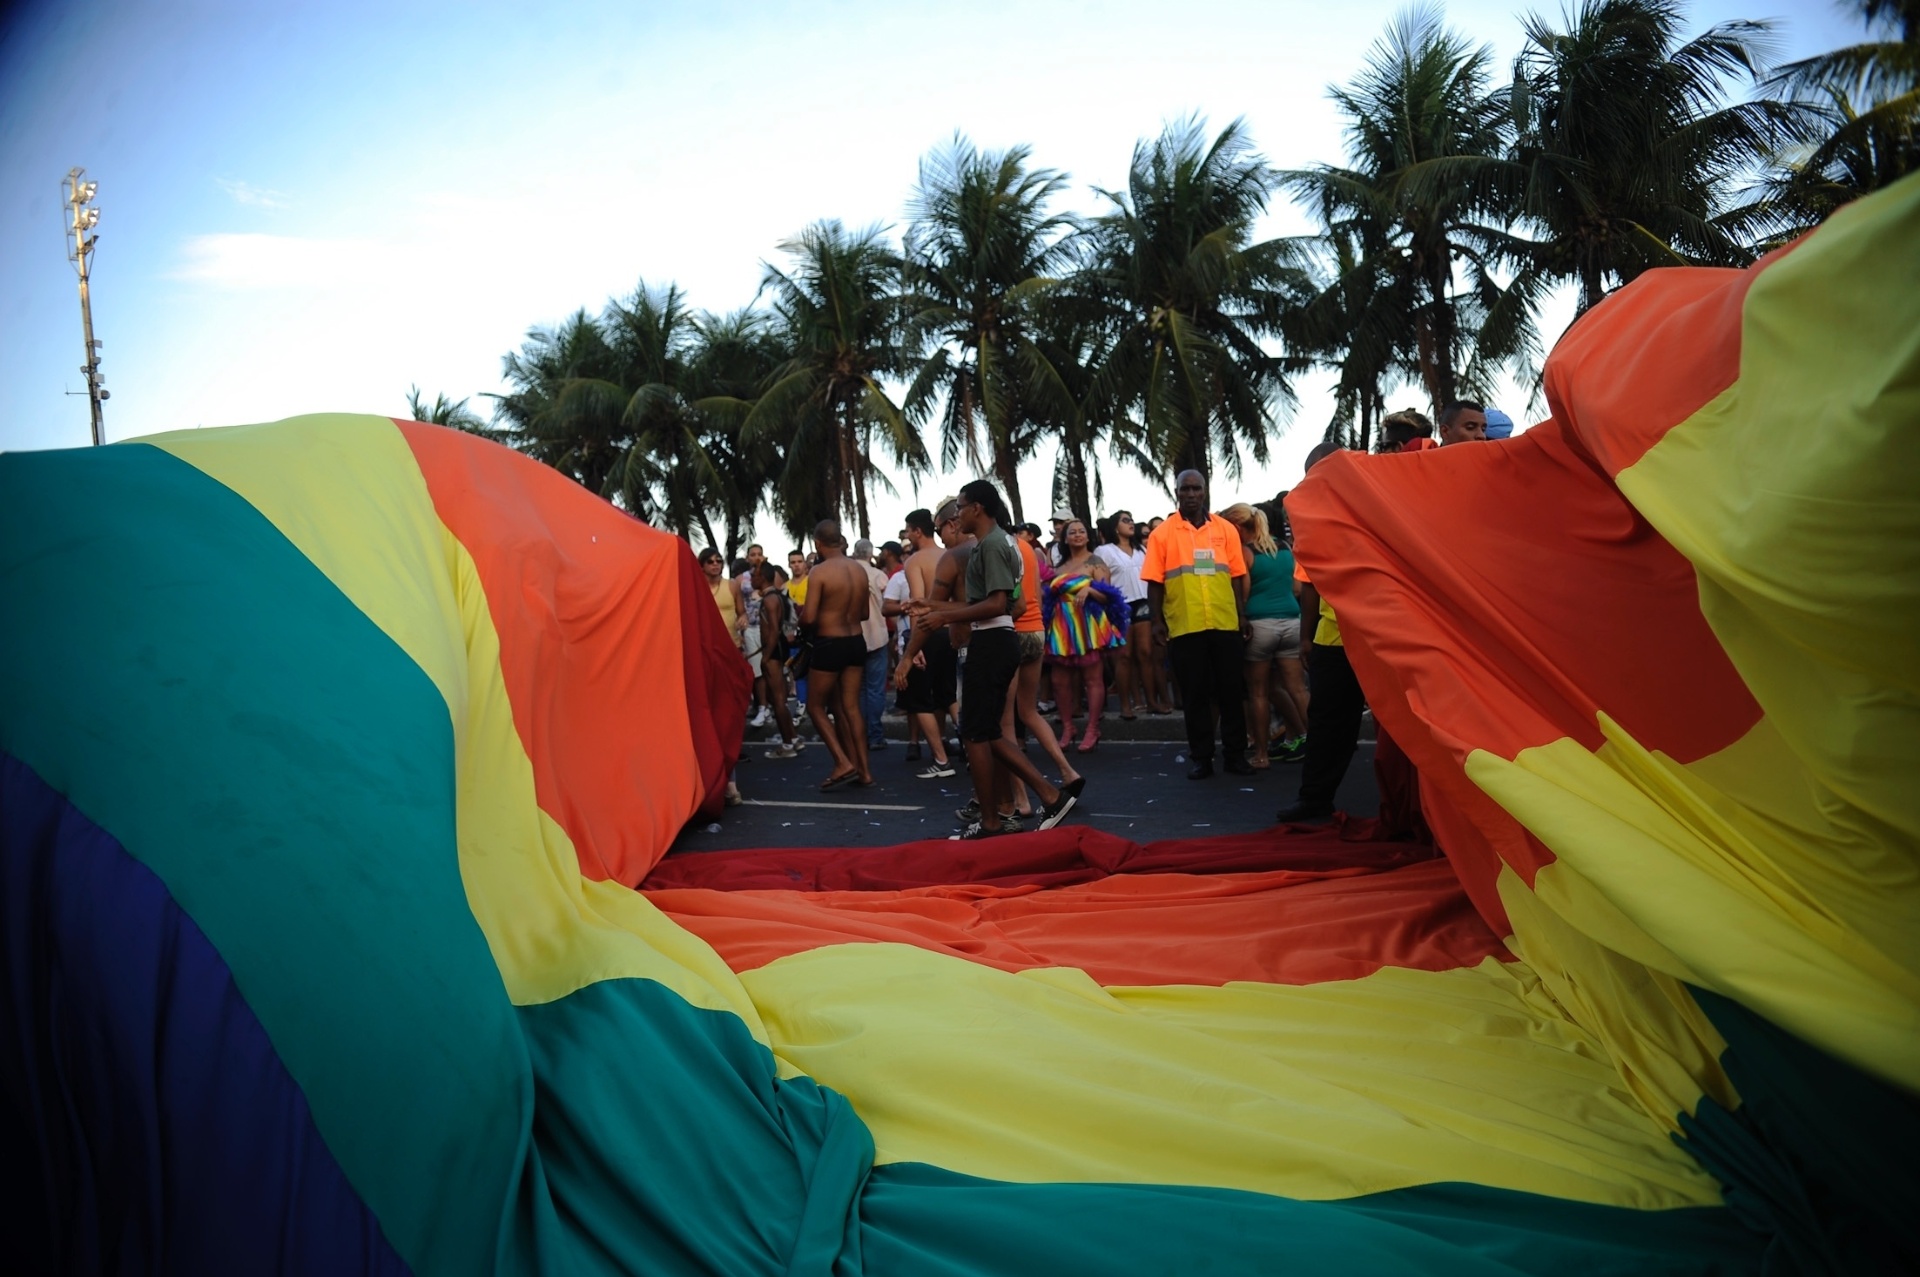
[(1062, 515)]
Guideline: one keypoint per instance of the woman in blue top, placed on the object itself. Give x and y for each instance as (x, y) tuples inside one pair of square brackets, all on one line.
[(1274, 616)]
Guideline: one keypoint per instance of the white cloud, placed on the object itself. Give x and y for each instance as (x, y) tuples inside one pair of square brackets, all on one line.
[(253, 196), (252, 262)]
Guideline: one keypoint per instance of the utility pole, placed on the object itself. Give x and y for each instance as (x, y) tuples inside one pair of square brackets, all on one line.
[(81, 220)]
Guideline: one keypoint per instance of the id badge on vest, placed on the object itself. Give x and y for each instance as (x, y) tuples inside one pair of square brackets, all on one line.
[(1203, 562)]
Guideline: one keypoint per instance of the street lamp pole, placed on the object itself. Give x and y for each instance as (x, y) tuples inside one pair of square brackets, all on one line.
[(82, 219)]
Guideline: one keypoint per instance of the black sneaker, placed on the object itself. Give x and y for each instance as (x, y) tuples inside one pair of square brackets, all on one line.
[(913, 753), (1291, 751), (969, 813), (1056, 811), (974, 832), (937, 771), (1304, 812)]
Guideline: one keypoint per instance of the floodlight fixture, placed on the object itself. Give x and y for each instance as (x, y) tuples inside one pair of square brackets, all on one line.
[(79, 195)]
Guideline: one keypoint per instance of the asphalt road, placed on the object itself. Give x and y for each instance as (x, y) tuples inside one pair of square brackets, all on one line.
[(1135, 787)]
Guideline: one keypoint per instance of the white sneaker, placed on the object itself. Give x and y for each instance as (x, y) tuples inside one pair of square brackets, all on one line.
[(786, 749), (761, 717)]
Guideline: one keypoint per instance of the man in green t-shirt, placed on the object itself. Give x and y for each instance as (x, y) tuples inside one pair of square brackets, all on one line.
[(992, 584)]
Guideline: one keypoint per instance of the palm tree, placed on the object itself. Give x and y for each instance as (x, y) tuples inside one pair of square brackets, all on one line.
[(1192, 299), (666, 474), (452, 413), (733, 358), (980, 246), (1415, 229), (838, 312), (1626, 153), (1059, 385), (1877, 69), (587, 448), (1866, 100), (607, 401), (1357, 320)]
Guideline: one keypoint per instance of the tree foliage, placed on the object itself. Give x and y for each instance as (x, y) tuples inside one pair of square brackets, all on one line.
[(981, 247), (1166, 330)]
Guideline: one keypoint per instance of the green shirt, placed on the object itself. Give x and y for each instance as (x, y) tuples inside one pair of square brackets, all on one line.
[(993, 565), (1270, 586)]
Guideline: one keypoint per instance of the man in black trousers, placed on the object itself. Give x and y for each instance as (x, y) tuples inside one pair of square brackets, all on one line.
[(1335, 701), (1196, 577)]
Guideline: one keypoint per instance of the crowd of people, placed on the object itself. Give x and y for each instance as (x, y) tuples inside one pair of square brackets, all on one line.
[(984, 628)]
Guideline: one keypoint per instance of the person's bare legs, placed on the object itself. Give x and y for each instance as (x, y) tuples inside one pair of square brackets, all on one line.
[(1291, 696), (1004, 753), (823, 690), (1065, 698), (853, 724), (775, 686), (1153, 680), (928, 726), (1126, 682), (1096, 704), (986, 781), (1026, 688), (1259, 709)]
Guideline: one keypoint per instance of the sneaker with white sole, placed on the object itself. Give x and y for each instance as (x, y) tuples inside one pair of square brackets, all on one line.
[(939, 771), (761, 717), (787, 749), (1056, 811), (974, 832)]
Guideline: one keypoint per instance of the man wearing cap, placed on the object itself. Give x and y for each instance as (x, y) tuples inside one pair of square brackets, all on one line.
[(1499, 424), (1196, 581)]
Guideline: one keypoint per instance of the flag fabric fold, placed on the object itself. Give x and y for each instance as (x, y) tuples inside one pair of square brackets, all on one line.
[(339, 757)]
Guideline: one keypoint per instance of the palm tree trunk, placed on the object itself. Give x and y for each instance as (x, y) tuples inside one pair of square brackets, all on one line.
[(844, 478), (1443, 328), (1590, 289), (1007, 472), (1074, 462), (1194, 453), (858, 472), (707, 528)]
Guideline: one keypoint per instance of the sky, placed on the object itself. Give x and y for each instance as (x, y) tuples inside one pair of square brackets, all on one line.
[(314, 207)]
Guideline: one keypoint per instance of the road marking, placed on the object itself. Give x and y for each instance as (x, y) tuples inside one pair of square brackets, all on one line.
[(768, 802)]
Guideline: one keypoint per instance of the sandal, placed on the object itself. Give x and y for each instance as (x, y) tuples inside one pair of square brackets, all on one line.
[(834, 782)]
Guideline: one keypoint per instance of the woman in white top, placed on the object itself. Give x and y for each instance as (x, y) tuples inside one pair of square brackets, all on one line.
[(1142, 683)]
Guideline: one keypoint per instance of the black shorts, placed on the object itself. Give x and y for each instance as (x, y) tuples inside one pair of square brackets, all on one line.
[(831, 655), (932, 690), (1141, 610), (993, 658)]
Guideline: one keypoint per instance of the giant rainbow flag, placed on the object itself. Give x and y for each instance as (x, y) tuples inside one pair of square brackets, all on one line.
[(338, 758)]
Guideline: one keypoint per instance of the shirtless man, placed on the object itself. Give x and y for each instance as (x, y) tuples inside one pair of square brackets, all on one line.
[(924, 677), (838, 600), (943, 644)]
